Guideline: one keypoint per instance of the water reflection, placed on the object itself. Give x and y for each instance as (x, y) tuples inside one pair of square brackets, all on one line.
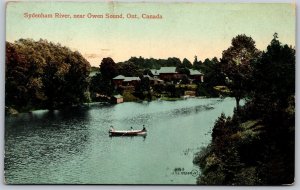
[(39, 138), (73, 145)]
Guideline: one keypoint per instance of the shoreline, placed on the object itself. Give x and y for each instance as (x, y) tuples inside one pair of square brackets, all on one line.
[(10, 111)]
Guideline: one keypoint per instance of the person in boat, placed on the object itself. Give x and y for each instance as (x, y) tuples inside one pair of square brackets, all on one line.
[(112, 128), (131, 128), (144, 128)]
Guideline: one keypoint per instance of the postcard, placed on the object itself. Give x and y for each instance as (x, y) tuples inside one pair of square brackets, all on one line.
[(150, 93)]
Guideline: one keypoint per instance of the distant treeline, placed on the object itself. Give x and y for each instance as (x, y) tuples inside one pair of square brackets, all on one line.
[(138, 67)]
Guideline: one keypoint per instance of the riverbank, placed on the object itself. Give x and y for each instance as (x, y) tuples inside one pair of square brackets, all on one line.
[(248, 150)]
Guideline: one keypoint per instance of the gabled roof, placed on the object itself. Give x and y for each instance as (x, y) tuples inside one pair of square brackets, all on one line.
[(118, 96), (93, 73), (195, 72), (119, 77), (155, 72), (128, 79), (167, 70), (147, 76)]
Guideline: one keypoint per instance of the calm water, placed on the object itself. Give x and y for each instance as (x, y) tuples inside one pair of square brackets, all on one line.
[(73, 146)]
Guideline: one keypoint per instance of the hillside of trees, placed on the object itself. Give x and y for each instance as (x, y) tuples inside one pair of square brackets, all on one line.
[(108, 69), (44, 75), (257, 145)]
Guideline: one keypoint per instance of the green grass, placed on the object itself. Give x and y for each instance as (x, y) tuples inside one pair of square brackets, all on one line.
[(170, 99), (128, 97)]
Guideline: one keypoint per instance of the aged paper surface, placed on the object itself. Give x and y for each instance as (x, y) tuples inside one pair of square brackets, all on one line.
[(149, 93)]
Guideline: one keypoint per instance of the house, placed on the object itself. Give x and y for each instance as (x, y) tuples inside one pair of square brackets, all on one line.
[(155, 73), (131, 81), (153, 80), (118, 80), (121, 80), (93, 73), (196, 75), (167, 74), (117, 99)]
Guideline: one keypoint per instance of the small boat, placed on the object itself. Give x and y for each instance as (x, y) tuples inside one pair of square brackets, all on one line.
[(113, 132)]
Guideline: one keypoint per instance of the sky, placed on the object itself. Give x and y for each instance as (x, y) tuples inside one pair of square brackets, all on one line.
[(186, 30)]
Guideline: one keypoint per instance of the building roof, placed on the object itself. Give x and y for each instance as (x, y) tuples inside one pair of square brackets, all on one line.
[(128, 79), (154, 72), (93, 73), (147, 76), (118, 96), (119, 77), (167, 70), (195, 72)]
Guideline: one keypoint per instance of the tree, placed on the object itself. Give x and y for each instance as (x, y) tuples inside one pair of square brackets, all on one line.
[(185, 80), (186, 63), (197, 64), (100, 86), (148, 72), (171, 89), (173, 62), (236, 65), (274, 77), (41, 74), (183, 70), (128, 69), (108, 68)]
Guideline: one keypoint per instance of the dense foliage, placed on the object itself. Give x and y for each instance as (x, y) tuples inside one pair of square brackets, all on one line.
[(236, 65), (41, 74), (152, 63), (256, 146)]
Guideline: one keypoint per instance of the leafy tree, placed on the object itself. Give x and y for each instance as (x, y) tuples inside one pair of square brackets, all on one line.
[(183, 70), (128, 69), (41, 74), (159, 88), (148, 72), (213, 75), (98, 85), (173, 62), (274, 76), (257, 145), (185, 80), (108, 68), (236, 65), (171, 89), (186, 63), (197, 64)]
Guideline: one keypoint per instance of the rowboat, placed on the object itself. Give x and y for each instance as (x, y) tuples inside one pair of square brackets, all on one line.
[(113, 132)]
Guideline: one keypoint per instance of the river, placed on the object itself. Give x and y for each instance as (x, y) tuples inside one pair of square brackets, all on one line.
[(72, 146)]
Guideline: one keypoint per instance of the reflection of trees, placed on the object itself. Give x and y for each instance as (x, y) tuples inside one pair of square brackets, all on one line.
[(43, 138)]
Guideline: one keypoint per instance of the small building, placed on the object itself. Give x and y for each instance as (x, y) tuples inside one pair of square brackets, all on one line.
[(117, 99), (155, 73), (118, 80), (153, 80), (131, 81), (196, 75), (121, 80), (93, 73), (167, 74)]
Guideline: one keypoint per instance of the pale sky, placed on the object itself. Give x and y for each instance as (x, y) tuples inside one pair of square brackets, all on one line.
[(185, 30)]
